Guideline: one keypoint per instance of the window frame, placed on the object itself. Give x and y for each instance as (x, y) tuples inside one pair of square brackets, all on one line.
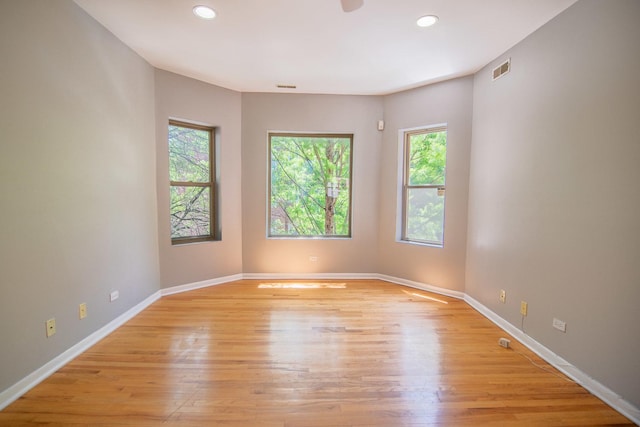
[(211, 184), (294, 134), (406, 186)]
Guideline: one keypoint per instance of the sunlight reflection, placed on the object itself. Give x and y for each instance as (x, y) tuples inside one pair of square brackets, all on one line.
[(297, 285), (425, 297)]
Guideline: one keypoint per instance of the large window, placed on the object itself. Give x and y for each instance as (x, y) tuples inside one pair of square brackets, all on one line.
[(310, 185), (425, 156), (191, 178)]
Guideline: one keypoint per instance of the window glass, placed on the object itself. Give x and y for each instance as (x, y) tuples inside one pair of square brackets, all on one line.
[(424, 188), (310, 185), (191, 182)]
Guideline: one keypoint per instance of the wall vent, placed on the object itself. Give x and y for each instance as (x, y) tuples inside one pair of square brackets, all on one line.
[(286, 86), (502, 69)]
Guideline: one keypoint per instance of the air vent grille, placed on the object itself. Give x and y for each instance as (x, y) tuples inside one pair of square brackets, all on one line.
[(286, 86), (502, 69)]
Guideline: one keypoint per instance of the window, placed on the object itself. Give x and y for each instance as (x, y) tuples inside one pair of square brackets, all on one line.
[(423, 190), (191, 175), (310, 185)]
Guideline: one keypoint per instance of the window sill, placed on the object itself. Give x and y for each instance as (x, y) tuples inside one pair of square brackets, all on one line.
[(309, 237), (423, 244), (182, 242)]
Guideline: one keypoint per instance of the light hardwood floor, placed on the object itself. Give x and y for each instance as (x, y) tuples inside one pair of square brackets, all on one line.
[(338, 353)]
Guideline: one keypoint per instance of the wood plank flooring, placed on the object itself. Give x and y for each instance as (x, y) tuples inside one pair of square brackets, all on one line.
[(308, 354)]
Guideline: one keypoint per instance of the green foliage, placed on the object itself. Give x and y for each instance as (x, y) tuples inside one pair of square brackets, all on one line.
[(425, 205), (425, 215), (188, 154), (310, 180), (427, 158), (189, 162)]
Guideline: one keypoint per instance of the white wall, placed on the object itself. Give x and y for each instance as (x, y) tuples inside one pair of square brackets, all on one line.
[(186, 99), (448, 102), (77, 180), (262, 113), (554, 198)]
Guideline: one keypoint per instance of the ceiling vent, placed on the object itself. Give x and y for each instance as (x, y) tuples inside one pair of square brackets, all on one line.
[(502, 69)]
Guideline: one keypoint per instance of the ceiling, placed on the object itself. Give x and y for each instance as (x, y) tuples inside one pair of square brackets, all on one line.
[(255, 45)]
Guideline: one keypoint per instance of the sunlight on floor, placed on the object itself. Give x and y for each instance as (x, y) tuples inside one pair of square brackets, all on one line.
[(425, 297), (297, 285)]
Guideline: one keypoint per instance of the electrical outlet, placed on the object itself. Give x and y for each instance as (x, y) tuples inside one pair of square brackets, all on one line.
[(504, 342), (114, 296), (523, 308), (560, 325), (82, 310), (503, 296), (51, 327)]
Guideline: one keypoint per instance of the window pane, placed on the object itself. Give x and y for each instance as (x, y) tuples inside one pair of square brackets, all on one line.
[(188, 154), (190, 213), (427, 158), (425, 215), (310, 185)]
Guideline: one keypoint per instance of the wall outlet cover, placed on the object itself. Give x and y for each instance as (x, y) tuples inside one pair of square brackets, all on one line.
[(560, 325), (524, 308), (51, 327), (82, 310), (503, 296)]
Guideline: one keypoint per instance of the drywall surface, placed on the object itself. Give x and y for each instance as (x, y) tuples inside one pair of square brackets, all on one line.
[(77, 180), (262, 113), (554, 199), (189, 100), (447, 103)]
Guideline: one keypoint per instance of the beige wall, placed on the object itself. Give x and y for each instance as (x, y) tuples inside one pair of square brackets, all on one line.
[(448, 102), (186, 99), (554, 196), (77, 180), (262, 113)]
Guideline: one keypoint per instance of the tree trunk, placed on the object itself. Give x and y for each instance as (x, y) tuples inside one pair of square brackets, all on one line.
[(331, 191)]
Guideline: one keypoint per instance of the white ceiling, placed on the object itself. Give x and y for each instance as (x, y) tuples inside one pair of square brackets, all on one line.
[(254, 45)]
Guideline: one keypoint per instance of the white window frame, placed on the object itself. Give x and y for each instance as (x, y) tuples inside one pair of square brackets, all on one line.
[(401, 189)]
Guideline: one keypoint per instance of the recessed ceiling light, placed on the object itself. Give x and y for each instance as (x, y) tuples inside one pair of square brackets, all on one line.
[(427, 21), (204, 12)]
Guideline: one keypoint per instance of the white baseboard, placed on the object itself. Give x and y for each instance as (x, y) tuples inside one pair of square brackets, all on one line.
[(607, 395), (421, 286), (11, 394), (602, 392), (200, 285)]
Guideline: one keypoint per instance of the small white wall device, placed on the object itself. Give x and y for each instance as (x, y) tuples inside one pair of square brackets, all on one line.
[(503, 342)]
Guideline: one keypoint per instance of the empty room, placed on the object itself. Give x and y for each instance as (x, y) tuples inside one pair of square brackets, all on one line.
[(319, 213)]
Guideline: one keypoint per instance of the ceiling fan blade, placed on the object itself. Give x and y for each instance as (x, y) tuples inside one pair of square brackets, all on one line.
[(351, 5)]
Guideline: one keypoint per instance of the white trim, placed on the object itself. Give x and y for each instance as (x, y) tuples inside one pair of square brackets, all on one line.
[(401, 163), (421, 286), (399, 186), (11, 394), (607, 395), (597, 389), (199, 285)]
